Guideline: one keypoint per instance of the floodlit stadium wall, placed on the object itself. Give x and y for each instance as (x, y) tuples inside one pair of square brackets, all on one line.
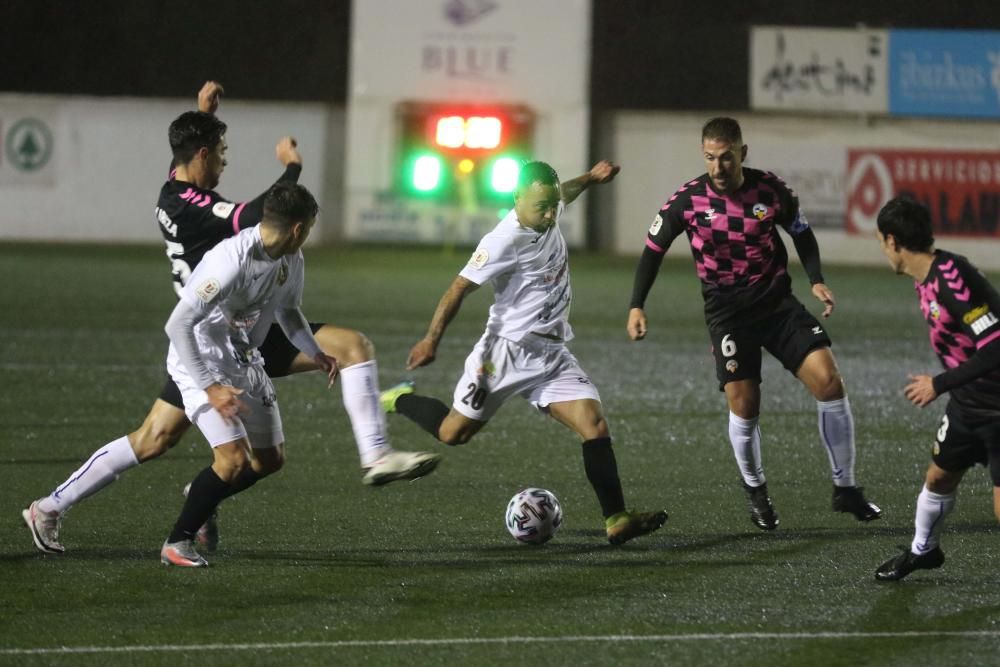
[(843, 168), (90, 169)]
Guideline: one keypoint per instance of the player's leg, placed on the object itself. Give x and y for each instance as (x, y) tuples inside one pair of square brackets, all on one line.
[(956, 449), (231, 472), (484, 386), (801, 344), (569, 397), (355, 354), (737, 368), (162, 428)]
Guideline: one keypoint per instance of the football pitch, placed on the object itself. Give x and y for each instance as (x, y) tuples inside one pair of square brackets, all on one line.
[(315, 568)]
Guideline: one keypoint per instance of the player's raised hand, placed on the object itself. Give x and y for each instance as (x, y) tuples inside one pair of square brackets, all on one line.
[(328, 365), (637, 324), (920, 391), (421, 354), (823, 293), (225, 400), (287, 151), (209, 96), (604, 171)]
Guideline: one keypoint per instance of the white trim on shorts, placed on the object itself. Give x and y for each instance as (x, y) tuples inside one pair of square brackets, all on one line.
[(541, 370)]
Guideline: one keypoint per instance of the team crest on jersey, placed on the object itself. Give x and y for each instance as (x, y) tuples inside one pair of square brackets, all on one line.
[(223, 209), (208, 290), (479, 258), (759, 211), (935, 310), (709, 214), (732, 365), (654, 228), (282, 273)]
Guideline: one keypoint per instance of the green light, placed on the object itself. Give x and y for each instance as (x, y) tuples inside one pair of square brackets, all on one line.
[(503, 177), (426, 173)]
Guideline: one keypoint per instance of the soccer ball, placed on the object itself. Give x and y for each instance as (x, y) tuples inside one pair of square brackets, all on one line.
[(533, 516)]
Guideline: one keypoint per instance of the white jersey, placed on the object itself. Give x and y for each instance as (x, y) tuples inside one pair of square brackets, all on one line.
[(530, 277), (238, 287)]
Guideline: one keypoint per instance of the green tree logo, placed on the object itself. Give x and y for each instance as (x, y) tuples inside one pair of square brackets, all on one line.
[(29, 144)]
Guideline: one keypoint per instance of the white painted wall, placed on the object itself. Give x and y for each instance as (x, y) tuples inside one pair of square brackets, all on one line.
[(661, 151), (111, 157)]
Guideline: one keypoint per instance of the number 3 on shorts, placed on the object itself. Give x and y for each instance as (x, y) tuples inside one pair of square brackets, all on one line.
[(943, 431), (728, 346)]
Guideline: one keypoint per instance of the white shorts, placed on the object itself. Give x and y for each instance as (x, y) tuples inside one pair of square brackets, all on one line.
[(541, 370), (260, 423)]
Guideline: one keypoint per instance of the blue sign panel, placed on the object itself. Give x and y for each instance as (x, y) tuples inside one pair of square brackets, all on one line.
[(944, 73)]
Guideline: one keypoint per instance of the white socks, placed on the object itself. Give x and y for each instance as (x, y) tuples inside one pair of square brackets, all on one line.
[(102, 468), (744, 434), (836, 430), (359, 386), (932, 508)]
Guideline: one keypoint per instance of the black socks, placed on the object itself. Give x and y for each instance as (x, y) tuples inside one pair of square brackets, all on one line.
[(602, 473)]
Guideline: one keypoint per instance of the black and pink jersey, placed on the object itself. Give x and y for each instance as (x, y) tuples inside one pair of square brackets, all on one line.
[(193, 220), (738, 254), (961, 309)]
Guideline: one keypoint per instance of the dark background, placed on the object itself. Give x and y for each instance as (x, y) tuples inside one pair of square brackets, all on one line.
[(647, 54)]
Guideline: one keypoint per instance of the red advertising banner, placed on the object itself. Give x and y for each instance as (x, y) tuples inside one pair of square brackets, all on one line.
[(961, 188)]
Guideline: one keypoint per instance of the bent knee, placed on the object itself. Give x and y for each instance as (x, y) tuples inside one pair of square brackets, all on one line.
[(155, 437), (356, 349), (829, 386)]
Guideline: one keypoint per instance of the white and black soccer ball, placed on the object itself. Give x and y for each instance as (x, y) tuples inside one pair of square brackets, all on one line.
[(534, 516)]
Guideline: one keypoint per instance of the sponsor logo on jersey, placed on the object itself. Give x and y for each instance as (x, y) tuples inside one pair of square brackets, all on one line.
[(487, 370), (759, 211), (817, 330), (208, 290), (975, 313), (654, 228), (936, 449), (983, 323), (479, 258), (709, 214), (935, 310), (732, 365), (223, 209)]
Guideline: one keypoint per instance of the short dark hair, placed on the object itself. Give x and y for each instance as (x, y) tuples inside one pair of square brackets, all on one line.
[(536, 172), (724, 128), (909, 222), (287, 203), (191, 131)]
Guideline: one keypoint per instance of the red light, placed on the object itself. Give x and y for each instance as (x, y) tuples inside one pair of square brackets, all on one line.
[(473, 132)]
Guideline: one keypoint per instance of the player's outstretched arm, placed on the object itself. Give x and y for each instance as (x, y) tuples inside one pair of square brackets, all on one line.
[(602, 172), (425, 351), (209, 97)]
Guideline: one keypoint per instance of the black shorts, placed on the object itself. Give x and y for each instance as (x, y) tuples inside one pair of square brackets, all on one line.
[(962, 441), (789, 333), (278, 353)]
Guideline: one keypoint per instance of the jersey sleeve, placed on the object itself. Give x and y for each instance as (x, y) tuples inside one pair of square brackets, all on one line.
[(790, 216), (668, 223), (212, 280), (494, 256), (976, 303)]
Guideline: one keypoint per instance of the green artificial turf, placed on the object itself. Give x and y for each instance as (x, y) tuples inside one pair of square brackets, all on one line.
[(315, 568)]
